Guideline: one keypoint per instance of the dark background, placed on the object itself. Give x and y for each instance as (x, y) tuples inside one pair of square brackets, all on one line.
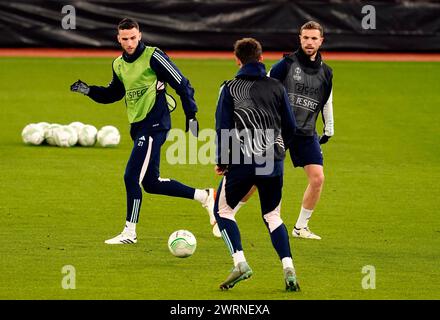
[(411, 26)]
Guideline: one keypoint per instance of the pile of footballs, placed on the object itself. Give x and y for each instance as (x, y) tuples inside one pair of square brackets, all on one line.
[(75, 133)]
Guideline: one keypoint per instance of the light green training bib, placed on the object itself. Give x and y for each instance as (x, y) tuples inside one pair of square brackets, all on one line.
[(140, 84)]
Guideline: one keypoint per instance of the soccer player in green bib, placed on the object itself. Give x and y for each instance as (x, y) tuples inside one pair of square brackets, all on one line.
[(140, 76)]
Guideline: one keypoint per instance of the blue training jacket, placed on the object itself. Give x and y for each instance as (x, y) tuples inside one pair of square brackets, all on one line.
[(159, 116)]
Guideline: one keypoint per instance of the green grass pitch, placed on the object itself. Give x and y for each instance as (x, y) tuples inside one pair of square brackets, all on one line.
[(380, 204)]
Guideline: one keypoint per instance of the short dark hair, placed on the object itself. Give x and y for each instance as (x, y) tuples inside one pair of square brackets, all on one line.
[(127, 24), (312, 25), (248, 50)]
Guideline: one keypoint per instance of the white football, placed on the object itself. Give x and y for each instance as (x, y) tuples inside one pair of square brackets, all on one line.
[(65, 136), (49, 133), (43, 125), (108, 136), (182, 243), (87, 135), (32, 134), (77, 126)]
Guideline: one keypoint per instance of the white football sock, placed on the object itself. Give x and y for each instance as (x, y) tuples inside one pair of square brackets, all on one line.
[(130, 227), (200, 195), (287, 263), (238, 257), (303, 218)]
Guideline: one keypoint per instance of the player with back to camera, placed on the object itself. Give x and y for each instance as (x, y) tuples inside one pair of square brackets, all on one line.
[(308, 81), (253, 119), (140, 75)]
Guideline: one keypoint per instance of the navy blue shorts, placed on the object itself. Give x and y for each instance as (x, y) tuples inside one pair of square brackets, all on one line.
[(305, 150), (238, 183)]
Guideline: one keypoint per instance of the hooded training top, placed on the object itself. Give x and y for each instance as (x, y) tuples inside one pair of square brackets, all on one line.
[(253, 113)]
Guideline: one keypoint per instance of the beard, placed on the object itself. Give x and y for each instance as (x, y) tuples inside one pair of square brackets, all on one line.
[(310, 51)]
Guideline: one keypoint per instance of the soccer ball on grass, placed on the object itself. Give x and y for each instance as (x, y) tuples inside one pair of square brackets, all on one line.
[(33, 134), (108, 136), (182, 243), (87, 135), (49, 133), (65, 136)]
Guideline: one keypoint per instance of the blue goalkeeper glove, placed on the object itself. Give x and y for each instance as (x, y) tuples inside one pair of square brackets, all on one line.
[(80, 87)]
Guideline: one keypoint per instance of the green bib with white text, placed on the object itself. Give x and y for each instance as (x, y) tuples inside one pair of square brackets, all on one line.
[(140, 84)]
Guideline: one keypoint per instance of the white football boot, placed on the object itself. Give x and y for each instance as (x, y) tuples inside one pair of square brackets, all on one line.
[(216, 231), (209, 206), (123, 238), (304, 233)]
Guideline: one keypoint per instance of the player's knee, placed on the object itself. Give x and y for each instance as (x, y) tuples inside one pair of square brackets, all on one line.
[(130, 179), (317, 180), (148, 188), (273, 219), (226, 212), (150, 184)]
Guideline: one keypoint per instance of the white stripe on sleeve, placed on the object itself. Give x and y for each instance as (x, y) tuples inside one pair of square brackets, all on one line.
[(168, 66)]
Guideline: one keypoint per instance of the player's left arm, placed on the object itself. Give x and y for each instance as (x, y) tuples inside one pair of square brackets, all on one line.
[(327, 110), (168, 72), (327, 118)]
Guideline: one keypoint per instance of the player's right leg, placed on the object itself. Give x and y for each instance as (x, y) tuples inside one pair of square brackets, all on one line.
[(140, 155)]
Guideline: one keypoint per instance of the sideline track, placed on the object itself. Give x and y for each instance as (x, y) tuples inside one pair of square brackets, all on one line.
[(347, 56)]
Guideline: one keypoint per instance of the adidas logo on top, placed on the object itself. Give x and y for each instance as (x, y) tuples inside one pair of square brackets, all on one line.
[(142, 138)]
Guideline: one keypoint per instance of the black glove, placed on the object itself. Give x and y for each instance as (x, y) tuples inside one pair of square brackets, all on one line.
[(192, 124), (223, 168), (323, 139), (80, 87)]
